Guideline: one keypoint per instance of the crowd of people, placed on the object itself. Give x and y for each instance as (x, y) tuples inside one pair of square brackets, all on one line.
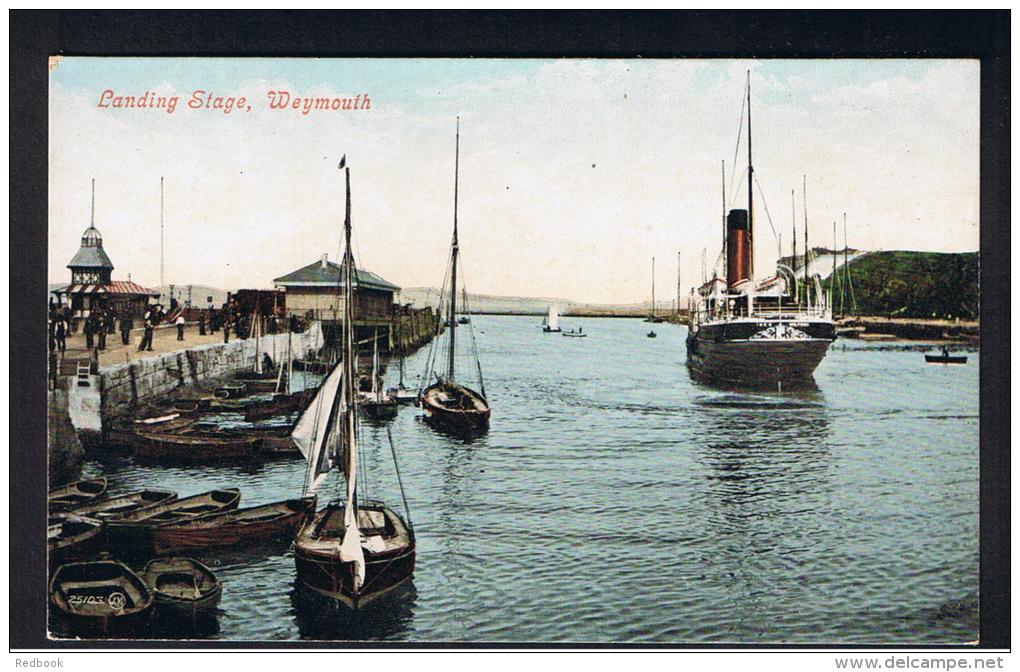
[(102, 322)]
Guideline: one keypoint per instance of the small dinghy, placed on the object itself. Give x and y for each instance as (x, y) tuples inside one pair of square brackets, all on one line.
[(651, 334), (276, 521), (183, 585), (945, 358), (575, 334), (133, 533), (100, 598), (76, 494), (195, 447), (402, 395), (280, 404), (112, 508), (376, 404), (70, 538)]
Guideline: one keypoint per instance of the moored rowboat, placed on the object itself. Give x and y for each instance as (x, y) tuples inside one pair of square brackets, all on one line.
[(100, 597), (279, 520), (111, 508), (75, 494), (71, 538), (133, 532), (194, 447), (183, 585)]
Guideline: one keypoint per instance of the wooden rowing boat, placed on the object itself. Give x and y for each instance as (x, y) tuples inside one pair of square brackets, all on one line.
[(132, 534), (194, 447), (71, 538), (182, 585), (276, 521), (124, 434), (68, 496), (100, 598), (280, 404), (945, 359), (112, 508)]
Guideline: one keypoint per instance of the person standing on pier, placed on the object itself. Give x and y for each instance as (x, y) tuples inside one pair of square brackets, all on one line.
[(146, 343), (60, 332), (180, 327), (125, 328), (89, 328), (101, 329), (201, 323)]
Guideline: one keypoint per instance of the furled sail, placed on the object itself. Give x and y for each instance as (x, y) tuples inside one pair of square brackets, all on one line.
[(312, 434)]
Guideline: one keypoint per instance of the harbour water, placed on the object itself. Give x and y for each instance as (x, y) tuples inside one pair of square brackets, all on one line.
[(613, 499)]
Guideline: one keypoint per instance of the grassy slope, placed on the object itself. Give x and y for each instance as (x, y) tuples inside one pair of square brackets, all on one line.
[(914, 284)]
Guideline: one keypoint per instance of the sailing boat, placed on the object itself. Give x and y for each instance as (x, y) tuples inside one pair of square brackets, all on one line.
[(377, 404), (262, 378), (447, 401), (652, 317), (746, 332), (464, 319), (400, 393), (353, 551), (551, 324)]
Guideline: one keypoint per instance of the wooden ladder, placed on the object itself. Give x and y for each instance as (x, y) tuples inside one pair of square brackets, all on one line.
[(84, 369)]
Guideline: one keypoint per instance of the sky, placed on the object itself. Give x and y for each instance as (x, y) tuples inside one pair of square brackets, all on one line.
[(574, 173)]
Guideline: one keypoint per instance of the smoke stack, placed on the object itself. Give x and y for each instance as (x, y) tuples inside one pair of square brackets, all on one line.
[(738, 248), (324, 263)]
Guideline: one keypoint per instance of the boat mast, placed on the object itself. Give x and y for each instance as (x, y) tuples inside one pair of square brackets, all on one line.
[(347, 448), (453, 257), (677, 311), (750, 183), (162, 274), (725, 245), (653, 286), (806, 259)]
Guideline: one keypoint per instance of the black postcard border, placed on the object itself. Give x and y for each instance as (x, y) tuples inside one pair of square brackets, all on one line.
[(35, 35)]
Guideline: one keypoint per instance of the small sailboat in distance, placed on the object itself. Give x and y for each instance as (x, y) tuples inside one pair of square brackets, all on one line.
[(355, 549), (551, 323), (447, 401), (652, 317), (377, 404)]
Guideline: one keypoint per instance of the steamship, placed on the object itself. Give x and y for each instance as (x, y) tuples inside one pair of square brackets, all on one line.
[(770, 333)]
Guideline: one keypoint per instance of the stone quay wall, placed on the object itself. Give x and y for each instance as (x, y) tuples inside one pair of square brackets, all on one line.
[(124, 386)]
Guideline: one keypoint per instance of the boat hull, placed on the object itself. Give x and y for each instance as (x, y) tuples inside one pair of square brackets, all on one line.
[(100, 598), (321, 570), (938, 359), (133, 535), (234, 529), (756, 363), (194, 447), (437, 412)]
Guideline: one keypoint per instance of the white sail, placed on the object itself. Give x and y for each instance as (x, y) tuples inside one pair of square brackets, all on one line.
[(312, 431), (553, 320), (350, 548)]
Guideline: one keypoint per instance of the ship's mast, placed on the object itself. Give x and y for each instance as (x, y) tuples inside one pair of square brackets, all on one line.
[(807, 260), (453, 258), (162, 274), (750, 183)]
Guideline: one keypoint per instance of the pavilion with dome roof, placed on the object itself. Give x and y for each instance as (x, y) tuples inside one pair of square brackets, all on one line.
[(92, 286)]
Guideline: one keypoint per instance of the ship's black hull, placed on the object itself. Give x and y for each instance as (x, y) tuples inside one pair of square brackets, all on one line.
[(761, 362)]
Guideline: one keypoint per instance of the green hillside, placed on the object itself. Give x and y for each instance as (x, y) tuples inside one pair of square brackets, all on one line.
[(914, 284)]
